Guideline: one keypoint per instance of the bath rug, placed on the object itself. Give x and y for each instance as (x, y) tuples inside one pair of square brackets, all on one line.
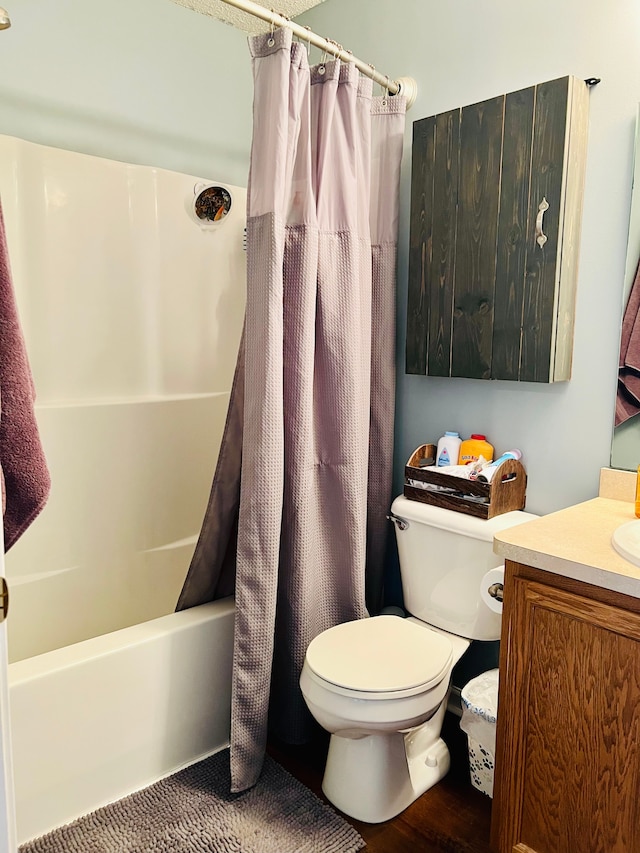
[(192, 811)]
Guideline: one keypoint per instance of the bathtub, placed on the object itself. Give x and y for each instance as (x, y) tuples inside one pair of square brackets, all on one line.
[(99, 719), (132, 321)]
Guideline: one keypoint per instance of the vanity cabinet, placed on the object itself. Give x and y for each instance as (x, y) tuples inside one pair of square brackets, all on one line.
[(568, 731), (496, 201)]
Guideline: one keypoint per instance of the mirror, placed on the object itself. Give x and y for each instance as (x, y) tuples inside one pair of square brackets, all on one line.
[(625, 446)]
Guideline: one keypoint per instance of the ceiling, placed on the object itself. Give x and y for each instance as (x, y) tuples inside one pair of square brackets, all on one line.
[(242, 20)]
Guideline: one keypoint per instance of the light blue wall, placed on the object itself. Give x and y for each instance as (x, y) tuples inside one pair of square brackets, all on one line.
[(143, 81), (152, 82)]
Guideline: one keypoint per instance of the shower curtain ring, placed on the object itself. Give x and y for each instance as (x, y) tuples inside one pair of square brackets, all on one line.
[(308, 29), (271, 41), (323, 61), (386, 91)]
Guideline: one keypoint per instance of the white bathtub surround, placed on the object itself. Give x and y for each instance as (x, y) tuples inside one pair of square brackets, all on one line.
[(95, 721), (132, 315), (112, 547)]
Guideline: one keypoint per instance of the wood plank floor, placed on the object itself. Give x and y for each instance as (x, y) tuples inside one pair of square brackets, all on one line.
[(453, 817)]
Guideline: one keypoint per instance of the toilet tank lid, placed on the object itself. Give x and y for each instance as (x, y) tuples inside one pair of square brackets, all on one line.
[(458, 522)]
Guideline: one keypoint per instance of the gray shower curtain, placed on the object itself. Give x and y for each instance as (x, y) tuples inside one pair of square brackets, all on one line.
[(303, 483)]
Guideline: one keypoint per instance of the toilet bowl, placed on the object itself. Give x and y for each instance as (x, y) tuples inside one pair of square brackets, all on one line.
[(380, 687)]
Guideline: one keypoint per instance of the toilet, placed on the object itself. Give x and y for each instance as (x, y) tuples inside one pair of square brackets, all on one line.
[(380, 685)]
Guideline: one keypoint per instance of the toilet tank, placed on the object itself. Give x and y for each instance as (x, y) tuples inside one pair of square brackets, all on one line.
[(444, 556)]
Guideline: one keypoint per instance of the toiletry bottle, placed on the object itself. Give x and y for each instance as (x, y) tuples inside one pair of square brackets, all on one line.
[(486, 475), (508, 454), (638, 493), (448, 449), (473, 448)]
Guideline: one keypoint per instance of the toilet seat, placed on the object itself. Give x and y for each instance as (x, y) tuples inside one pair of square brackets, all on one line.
[(382, 657)]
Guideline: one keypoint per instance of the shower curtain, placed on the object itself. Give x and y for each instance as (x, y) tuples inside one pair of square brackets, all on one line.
[(297, 511)]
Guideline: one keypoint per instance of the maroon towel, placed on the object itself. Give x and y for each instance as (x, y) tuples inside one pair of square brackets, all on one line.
[(23, 467), (628, 396)]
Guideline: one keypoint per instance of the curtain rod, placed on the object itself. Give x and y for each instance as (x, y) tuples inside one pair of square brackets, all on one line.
[(406, 86)]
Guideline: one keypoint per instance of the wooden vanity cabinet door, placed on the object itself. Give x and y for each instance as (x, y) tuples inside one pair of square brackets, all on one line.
[(568, 740)]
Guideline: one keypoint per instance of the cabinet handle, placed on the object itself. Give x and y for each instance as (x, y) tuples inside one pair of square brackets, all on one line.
[(541, 237)]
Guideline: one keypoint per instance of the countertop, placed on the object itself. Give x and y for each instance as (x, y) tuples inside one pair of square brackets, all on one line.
[(576, 542)]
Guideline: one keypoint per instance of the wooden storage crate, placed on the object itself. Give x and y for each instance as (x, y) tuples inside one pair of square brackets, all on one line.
[(506, 492)]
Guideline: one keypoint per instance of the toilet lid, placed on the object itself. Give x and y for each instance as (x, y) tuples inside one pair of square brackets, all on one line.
[(380, 654)]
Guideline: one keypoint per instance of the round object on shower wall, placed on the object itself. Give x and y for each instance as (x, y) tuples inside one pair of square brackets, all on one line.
[(211, 204)]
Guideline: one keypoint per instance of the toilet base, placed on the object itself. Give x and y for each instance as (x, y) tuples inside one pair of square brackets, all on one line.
[(375, 777)]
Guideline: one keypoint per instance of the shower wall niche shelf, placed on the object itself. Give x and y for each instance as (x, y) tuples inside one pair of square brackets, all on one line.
[(496, 204)]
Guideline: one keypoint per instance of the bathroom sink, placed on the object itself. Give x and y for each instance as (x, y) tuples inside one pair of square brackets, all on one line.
[(626, 541)]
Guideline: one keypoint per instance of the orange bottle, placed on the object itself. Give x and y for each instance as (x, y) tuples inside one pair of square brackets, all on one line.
[(473, 448)]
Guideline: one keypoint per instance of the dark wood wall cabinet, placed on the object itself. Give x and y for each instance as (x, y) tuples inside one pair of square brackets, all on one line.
[(496, 202)]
